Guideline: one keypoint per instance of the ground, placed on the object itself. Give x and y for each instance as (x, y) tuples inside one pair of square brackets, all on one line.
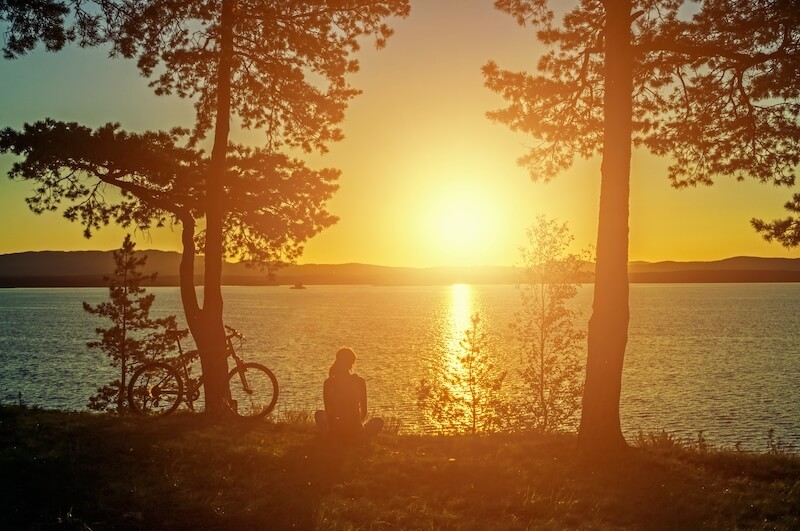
[(89, 471)]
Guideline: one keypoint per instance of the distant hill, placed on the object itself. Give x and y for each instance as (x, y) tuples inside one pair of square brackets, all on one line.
[(80, 268), (736, 269), (86, 268)]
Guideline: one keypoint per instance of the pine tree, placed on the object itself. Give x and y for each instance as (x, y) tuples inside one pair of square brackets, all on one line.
[(278, 66), (133, 337), (711, 84)]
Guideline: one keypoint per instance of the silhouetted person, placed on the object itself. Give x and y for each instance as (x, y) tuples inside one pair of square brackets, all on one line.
[(345, 397)]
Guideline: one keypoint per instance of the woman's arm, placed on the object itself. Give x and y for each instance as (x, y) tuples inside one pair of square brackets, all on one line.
[(362, 397)]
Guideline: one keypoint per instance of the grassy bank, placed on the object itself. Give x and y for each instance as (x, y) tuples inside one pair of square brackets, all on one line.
[(73, 471)]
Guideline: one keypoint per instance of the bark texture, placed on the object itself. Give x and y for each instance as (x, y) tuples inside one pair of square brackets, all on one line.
[(600, 429)]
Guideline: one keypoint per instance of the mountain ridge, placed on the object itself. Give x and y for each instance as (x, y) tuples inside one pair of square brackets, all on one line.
[(87, 268)]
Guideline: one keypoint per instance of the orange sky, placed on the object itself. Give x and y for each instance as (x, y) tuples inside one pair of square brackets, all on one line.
[(427, 179)]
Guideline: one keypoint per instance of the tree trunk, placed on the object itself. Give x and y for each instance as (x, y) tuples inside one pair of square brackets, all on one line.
[(123, 354), (191, 309), (213, 354), (600, 430)]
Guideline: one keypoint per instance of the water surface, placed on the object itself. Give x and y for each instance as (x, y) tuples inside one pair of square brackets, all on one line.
[(723, 358)]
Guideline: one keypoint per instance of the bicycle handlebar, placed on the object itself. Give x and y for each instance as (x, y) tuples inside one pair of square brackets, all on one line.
[(233, 333)]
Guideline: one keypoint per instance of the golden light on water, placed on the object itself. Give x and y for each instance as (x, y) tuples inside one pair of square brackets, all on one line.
[(460, 313), (459, 321), (460, 397)]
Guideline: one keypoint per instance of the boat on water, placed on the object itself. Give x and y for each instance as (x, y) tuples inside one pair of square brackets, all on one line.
[(299, 285)]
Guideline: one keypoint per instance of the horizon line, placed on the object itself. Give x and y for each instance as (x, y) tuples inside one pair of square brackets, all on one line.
[(440, 266)]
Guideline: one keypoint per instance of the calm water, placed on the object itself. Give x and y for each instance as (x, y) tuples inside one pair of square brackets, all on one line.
[(724, 358)]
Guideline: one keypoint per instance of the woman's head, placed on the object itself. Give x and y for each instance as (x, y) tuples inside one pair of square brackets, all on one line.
[(345, 358)]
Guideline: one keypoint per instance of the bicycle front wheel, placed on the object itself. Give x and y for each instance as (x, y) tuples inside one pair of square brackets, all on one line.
[(155, 390), (254, 390)]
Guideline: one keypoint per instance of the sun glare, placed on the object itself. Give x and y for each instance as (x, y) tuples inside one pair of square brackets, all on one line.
[(462, 224)]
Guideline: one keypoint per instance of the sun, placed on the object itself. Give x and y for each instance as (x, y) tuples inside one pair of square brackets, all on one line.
[(462, 224)]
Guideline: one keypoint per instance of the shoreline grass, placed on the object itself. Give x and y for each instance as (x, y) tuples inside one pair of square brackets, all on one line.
[(86, 471)]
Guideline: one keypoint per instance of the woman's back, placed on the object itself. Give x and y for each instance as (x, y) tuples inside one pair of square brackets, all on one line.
[(344, 396)]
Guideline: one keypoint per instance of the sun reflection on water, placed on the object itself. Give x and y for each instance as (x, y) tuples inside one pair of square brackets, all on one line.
[(463, 393), (689, 365), (460, 314), (461, 311)]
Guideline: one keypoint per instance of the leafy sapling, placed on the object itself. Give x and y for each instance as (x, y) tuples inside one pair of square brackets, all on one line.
[(466, 396), (546, 329)]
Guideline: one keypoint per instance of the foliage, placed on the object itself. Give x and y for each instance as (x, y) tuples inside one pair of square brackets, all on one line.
[(546, 328), (278, 66), (133, 337), (785, 230), (289, 58), (288, 78), (276, 202), (717, 91), (31, 21), (72, 163), (711, 84), (466, 396)]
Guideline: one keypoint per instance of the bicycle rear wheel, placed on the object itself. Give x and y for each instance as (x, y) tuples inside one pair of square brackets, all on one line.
[(254, 390), (155, 390)]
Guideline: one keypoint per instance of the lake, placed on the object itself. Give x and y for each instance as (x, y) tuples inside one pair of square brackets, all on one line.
[(723, 358)]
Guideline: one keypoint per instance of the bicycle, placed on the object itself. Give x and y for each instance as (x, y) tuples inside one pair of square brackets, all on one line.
[(157, 388)]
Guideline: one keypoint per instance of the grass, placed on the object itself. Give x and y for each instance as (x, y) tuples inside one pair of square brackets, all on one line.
[(77, 471)]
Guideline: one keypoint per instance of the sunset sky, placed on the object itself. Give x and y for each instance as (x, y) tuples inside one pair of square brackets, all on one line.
[(426, 180)]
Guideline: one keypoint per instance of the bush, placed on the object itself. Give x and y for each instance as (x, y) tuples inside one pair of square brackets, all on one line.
[(548, 338), (466, 397)]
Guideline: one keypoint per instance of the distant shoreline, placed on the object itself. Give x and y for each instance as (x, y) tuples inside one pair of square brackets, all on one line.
[(687, 277), (87, 268)]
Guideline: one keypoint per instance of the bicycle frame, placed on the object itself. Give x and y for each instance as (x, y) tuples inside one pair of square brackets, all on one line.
[(193, 386), (234, 334), (251, 386), (182, 363)]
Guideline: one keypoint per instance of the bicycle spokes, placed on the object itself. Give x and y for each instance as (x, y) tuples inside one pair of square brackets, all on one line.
[(155, 389), (254, 390), (243, 378)]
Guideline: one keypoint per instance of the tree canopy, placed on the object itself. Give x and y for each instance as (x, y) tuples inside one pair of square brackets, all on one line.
[(288, 65), (716, 88), (52, 22), (275, 202)]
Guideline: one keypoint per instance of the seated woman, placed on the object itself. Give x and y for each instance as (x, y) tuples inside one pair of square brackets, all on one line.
[(345, 398)]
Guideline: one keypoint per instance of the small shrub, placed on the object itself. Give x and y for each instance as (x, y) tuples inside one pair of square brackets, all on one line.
[(776, 445), (658, 441), (466, 397), (546, 330), (700, 444)]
